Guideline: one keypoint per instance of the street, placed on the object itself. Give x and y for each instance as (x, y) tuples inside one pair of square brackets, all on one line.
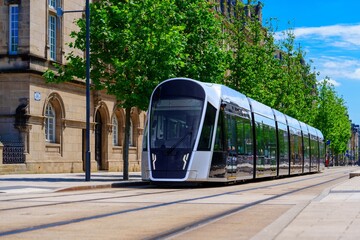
[(240, 211)]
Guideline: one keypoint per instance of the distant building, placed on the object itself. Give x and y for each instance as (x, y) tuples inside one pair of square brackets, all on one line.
[(352, 153), (227, 7), (42, 126)]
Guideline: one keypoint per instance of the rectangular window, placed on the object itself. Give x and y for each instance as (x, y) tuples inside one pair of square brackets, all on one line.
[(296, 151), (265, 142), (208, 129), (244, 137), (52, 37), (52, 4), (13, 29), (283, 137)]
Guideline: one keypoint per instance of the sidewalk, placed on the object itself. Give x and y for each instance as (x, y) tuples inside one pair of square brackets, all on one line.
[(335, 214), (31, 183)]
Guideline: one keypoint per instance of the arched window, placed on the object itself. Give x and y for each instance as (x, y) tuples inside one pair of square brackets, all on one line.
[(50, 123), (115, 131)]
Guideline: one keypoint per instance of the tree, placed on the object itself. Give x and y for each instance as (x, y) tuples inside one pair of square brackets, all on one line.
[(298, 83), (274, 73), (333, 119), (137, 44), (134, 45), (287, 82), (205, 55)]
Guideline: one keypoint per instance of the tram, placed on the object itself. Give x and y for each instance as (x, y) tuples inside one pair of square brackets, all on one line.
[(205, 132)]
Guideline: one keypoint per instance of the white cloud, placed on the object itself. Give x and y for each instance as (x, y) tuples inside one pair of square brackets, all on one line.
[(332, 49), (332, 82), (343, 36), (339, 67)]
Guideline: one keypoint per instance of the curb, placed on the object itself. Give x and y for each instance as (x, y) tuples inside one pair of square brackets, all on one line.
[(354, 174), (102, 186)]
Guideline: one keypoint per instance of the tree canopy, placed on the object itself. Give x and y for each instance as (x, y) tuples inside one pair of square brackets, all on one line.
[(275, 73), (135, 44), (333, 118)]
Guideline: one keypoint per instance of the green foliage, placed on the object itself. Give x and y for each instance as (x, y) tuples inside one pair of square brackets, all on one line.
[(287, 82), (333, 119), (298, 95), (205, 55), (135, 44)]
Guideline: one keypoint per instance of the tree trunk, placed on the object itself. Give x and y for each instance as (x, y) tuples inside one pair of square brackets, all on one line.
[(126, 144)]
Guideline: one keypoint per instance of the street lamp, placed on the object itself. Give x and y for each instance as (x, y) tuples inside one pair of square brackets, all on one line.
[(60, 13)]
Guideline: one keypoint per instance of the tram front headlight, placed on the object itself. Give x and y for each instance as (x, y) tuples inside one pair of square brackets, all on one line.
[(153, 158)]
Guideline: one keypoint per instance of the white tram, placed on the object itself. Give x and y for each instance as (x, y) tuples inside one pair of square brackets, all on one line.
[(205, 132)]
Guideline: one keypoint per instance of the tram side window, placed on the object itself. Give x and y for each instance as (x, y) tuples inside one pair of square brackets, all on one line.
[(219, 139), (265, 139), (293, 146), (260, 140), (283, 143), (145, 137), (208, 129), (306, 147), (314, 151), (296, 147), (300, 148), (244, 136), (321, 151), (234, 134), (231, 133)]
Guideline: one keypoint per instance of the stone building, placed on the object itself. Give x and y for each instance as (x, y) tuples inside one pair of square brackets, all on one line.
[(42, 125)]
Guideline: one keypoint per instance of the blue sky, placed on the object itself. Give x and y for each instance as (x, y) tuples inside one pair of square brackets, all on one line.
[(329, 32)]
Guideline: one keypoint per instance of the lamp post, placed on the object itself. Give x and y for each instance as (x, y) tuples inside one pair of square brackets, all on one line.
[(88, 162), (60, 13)]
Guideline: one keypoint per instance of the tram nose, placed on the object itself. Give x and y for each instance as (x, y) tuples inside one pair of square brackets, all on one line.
[(173, 165)]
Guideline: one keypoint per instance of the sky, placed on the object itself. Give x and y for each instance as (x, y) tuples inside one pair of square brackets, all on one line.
[(329, 33)]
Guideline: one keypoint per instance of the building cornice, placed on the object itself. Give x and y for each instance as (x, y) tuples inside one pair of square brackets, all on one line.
[(27, 63)]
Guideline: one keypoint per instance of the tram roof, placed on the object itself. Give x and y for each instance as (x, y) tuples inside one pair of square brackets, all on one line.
[(227, 94), (312, 132), (279, 116), (262, 109), (292, 122), (230, 95), (304, 127), (319, 134)]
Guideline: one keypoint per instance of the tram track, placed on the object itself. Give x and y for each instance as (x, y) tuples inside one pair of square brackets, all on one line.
[(209, 220), (72, 202), (177, 230), (112, 197)]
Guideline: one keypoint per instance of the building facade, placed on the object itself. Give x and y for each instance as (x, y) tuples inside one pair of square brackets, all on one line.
[(42, 125), (352, 153)]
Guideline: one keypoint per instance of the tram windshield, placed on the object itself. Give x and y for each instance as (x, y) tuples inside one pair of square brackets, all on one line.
[(174, 123)]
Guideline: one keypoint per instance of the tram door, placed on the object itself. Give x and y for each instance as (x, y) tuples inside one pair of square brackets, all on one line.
[(98, 138), (233, 150)]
